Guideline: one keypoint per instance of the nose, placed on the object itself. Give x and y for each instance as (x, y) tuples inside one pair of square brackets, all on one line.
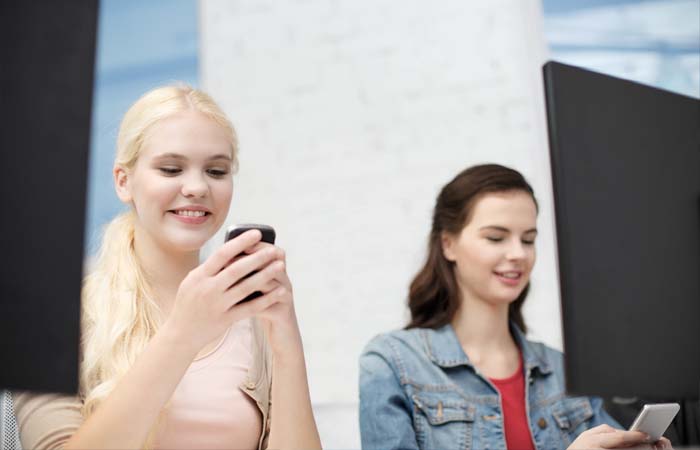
[(516, 250), (194, 186)]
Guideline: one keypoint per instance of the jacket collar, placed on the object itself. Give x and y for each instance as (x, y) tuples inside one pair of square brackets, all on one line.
[(444, 349)]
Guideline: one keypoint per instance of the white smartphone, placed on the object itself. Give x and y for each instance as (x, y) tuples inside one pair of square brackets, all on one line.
[(654, 419)]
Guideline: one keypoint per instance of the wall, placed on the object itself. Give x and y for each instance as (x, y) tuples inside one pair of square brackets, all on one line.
[(351, 116)]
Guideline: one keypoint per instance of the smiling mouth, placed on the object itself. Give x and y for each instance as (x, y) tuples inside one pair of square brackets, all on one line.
[(511, 275), (189, 213)]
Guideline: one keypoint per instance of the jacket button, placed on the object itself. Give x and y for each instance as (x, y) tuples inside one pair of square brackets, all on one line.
[(542, 423), (249, 385)]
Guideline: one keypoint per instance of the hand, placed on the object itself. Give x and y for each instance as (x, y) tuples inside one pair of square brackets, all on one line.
[(279, 317), (607, 437), (204, 303)]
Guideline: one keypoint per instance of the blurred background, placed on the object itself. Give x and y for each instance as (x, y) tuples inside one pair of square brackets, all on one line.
[(351, 115)]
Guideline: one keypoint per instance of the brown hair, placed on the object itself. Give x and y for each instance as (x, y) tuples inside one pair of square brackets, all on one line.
[(434, 296)]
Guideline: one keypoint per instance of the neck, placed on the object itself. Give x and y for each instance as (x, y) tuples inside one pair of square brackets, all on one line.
[(482, 328), (165, 268)]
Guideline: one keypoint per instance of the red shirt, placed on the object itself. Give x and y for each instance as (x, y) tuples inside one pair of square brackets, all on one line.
[(512, 391)]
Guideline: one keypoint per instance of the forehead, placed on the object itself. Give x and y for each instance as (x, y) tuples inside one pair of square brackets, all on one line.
[(189, 133), (513, 209)]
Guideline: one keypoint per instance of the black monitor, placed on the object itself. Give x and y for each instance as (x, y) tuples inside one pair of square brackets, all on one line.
[(625, 163), (46, 81)]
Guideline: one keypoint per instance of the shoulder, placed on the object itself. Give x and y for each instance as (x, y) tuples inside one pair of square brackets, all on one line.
[(395, 343), (386, 362), (394, 351)]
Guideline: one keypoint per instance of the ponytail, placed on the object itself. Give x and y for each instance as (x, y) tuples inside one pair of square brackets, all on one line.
[(119, 315)]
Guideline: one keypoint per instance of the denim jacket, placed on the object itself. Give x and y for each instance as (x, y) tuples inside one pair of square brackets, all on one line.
[(418, 390)]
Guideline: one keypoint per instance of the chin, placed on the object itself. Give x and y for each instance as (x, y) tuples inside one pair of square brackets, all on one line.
[(505, 297), (188, 248), (502, 300), (186, 244)]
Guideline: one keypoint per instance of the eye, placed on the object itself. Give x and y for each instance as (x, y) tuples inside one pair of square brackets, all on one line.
[(528, 238), (217, 173), (170, 171), (494, 238)]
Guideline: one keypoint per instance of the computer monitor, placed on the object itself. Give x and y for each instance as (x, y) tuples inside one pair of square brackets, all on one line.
[(46, 82), (625, 161)]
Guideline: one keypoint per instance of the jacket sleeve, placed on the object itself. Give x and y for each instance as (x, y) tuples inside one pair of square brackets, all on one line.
[(385, 411), (46, 421)]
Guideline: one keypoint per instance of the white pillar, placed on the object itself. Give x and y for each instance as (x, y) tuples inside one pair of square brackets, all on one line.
[(351, 115)]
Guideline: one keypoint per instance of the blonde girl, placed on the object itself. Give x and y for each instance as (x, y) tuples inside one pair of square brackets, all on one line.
[(170, 358)]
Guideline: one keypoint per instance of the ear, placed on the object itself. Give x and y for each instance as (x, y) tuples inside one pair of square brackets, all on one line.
[(448, 243), (121, 184)]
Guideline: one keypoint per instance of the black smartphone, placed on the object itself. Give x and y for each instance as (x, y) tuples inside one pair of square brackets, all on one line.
[(268, 235)]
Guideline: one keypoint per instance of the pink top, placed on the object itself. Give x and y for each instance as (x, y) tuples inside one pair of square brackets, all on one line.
[(208, 410)]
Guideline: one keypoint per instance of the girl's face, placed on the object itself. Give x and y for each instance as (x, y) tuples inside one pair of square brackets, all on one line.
[(181, 184), (494, 253)]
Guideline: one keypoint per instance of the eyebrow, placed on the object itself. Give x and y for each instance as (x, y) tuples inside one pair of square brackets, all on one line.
[(506, 230), (183, 158)]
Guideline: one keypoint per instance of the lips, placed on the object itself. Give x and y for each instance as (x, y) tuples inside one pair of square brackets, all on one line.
[(509, 277), (189, 213), (194, 214)]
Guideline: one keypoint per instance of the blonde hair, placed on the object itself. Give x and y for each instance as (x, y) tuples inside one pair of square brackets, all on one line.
[(119, 315)]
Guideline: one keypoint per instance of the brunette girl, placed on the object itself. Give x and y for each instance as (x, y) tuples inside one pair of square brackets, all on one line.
[(462, 374)]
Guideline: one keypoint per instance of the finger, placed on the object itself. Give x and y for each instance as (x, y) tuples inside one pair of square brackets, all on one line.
[(269, 286), (664, 444), (221, 258), (622, 438), (261, 246), (263, 281), (257, 247), (239, 269), (281, 276), (646, 446), (604, 428), (255, 307)]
